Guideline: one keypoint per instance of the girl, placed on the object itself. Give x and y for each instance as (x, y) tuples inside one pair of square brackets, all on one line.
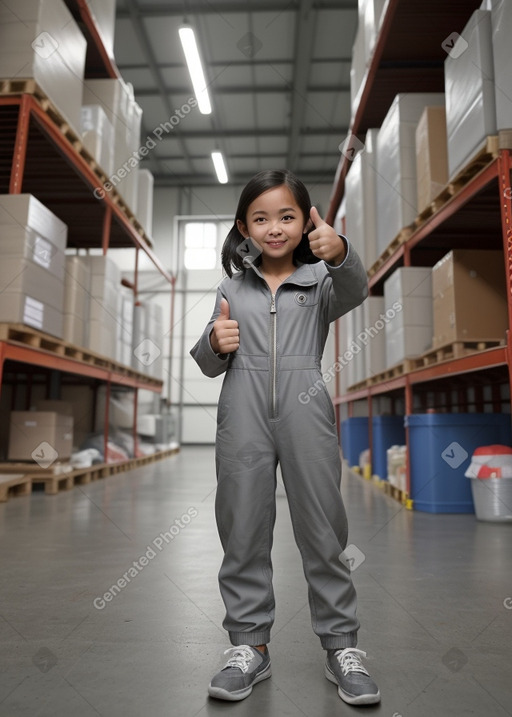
[(267, 333)]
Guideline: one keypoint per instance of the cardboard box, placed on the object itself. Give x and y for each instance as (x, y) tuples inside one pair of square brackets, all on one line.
[(375, 335), (470, 92), (103, 266), (22, 243), (470, 298), (145, 200), (104, 308), (501, 20), (408, 304), (361, 203), (77, 288), (407, 342), (117, 99), (410, 281), (98, 136), (357, 69), (104, 14), (21, 308), (75, 330), (431, 155), (40, 39), (396, 165), (40, 436), (124, 321), (102, 338), (370, 12), (26, 277), (24, 210)]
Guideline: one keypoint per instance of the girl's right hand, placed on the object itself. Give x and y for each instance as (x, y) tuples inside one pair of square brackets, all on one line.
[(224, 336)]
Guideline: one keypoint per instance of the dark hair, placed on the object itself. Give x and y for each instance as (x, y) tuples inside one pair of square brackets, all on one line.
[(262, 182)]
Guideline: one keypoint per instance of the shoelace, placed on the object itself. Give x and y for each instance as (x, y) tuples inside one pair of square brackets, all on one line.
[(350, 661), (241, 657)]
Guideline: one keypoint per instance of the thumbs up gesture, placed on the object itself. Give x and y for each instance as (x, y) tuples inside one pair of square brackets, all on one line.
[(324, 242), (224, 336)]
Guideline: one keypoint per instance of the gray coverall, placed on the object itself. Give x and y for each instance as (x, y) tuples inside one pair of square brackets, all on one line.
[(266, 415)]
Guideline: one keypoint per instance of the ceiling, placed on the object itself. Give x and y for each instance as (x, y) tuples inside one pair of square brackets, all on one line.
[(279, 82)]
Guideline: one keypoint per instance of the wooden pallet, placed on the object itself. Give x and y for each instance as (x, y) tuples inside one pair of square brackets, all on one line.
[(30, 87), (387, 375), (394, 492), (18, 478), (480, 161), (450, 351), (436, 355), (14, 484), (476, 164), (505, 139), (53, 483), (28, 336), (21, 86), (397, 242), (29, 468)]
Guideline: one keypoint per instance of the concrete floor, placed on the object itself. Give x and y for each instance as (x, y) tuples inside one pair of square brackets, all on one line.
[(435, 604)]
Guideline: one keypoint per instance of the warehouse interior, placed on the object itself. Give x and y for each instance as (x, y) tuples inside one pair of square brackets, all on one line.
[(397, 116)]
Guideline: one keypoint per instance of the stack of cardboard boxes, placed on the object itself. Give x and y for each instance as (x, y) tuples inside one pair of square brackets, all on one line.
[(369, 18), (32, 245), (149, 338), (470, 91), (396, 165), (361, 206), (408, 303), (103, 313), (470, 300), (116, 98), (104, 14), (44, 435), (145, 200), (125, 327), (77, 301), (98, 136), (431, 155), (425, 140), (501, 20), (40, 40)]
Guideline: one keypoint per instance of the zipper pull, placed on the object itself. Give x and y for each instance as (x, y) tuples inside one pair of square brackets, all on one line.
[(273, 304)]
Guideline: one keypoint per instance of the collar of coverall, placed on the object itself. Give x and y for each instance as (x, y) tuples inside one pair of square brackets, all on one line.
[(302, 276)]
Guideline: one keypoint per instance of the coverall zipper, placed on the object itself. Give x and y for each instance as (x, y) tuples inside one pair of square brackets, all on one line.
[(273, 358)]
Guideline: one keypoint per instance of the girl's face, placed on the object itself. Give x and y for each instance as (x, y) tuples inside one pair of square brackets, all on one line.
[(275, 222)]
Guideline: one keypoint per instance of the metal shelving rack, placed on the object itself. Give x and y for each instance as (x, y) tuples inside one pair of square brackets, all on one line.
[(409, 59), (41, 155)]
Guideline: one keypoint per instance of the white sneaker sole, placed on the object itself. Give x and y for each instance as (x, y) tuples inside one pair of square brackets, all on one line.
[(369, 699), (221, 694)]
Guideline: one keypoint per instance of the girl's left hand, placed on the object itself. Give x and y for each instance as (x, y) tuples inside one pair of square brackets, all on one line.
[(324, 242)]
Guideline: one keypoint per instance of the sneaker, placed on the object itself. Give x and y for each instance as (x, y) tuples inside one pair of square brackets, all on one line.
[(345, 669), (245, 668)]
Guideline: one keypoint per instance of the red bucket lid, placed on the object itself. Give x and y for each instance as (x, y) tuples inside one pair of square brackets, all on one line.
[(494, 450)]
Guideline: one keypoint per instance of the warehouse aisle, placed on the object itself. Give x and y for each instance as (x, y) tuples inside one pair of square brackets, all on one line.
[(109, 604)]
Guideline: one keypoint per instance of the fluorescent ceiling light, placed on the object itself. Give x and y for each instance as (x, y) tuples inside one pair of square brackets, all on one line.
[(195, 68), (220, 168)]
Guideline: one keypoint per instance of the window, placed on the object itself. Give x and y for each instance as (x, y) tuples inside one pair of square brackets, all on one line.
[(200, 245)]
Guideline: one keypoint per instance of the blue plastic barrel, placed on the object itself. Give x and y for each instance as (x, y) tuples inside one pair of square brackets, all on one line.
[(354, 438), (441, 446), (387, 431)]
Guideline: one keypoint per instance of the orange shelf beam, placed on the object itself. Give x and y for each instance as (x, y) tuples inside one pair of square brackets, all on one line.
[(47, 359)]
